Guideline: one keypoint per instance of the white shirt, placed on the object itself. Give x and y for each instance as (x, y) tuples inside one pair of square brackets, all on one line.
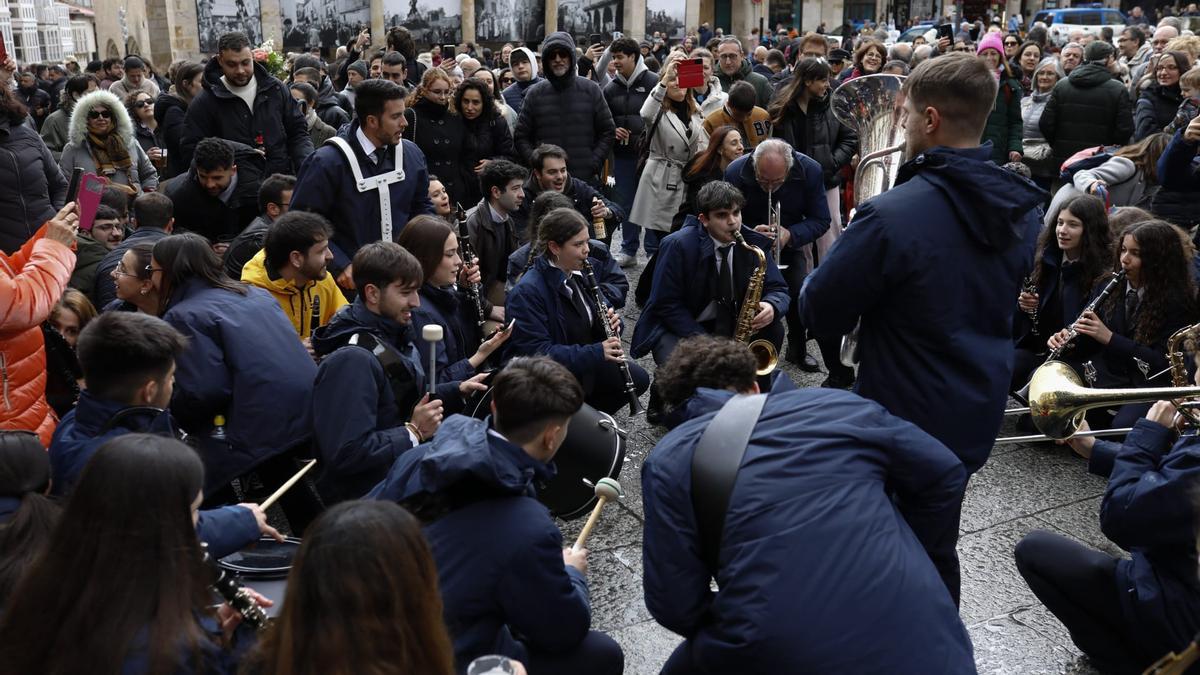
[(571, 289), (367, 144), (246, 93)]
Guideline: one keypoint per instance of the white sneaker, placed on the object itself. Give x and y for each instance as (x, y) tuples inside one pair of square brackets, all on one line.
[(625, 260)]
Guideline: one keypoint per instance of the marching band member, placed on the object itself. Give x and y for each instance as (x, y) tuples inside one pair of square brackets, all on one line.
[(608, 271), (557, 314), (936, 301)]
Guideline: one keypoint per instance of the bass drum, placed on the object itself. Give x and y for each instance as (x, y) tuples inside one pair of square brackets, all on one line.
[(593, 449)]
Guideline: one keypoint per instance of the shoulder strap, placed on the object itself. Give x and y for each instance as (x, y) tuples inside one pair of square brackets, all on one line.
[(715, 466)]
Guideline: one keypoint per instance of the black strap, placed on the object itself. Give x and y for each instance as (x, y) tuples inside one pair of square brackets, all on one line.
[(715, 466)]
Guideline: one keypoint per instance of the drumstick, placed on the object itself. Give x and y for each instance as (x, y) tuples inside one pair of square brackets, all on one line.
[(286, 486), (606, 489), (433, 335)]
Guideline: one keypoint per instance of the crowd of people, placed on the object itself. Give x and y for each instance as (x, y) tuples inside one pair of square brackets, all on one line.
[(270, 266)]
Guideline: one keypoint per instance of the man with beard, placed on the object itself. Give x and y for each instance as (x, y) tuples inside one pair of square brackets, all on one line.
[(30, 94), (218, 197), (92, 245), (549, 163), (935, 302), (568, 111), (494, 232), (292, 268)]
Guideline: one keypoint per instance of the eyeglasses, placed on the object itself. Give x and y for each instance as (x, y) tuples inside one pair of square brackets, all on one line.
[(152, 269), (1011, 44), (122, 273), (99, 114)]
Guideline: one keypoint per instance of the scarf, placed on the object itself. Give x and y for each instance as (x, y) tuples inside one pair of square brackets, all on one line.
[(109, 153)]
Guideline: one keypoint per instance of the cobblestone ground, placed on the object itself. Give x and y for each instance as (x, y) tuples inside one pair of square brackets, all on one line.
[(1020, 489)]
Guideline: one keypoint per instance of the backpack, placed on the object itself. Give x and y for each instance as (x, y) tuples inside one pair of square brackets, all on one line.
[(1088, 158)]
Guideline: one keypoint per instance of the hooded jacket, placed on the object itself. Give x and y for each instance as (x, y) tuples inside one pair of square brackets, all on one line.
[(141, 174), (625, 98), (275, 119), (1155, 109), (818, 134), (32, 187), (170, 111), (296, 302), (762, 88), (514, 94), (89, 426), (568, 111), (244, 362), (325, 185), (936, 302), (357, 419), (198, 211), (1179, 176), (56, 128), (329, 107), (510, 582), (31, 281), (810, 524), (1086, 109)]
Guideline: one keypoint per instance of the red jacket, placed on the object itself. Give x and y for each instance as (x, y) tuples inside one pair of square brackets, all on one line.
[(31, 281)]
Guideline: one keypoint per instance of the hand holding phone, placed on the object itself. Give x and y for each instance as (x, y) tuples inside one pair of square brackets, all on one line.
[(690, 73)]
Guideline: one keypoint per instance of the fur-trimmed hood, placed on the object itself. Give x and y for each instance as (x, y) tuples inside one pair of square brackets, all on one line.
[(77, 131)]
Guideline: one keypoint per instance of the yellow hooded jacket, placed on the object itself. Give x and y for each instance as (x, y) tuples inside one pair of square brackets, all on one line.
[(296, 302)]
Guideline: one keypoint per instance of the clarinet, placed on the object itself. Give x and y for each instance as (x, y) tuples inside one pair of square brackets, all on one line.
[(635, 406), (1028, 286), (314, 319), (474, 292), (1117, 278), (231, 589)]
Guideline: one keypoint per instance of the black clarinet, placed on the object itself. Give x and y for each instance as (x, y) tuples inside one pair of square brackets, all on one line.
[(474, 291), (314, 319), (635, 406), (231, 589)]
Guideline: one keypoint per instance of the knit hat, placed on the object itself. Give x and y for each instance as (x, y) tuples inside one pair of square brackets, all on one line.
[(991, 41), (1097, 51), (361, 68)]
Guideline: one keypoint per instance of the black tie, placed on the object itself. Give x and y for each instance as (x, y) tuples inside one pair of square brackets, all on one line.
[(1131, 305), (724, 323), (578, 297), (377, 155)]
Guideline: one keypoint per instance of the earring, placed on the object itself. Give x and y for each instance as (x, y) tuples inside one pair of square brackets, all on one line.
[(143, 291)]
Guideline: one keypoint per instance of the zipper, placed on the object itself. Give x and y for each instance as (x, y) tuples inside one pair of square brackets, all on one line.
[(4, 373)]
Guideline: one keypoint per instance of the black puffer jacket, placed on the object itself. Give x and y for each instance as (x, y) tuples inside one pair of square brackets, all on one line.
[(439, 134), (277, 120), (819, 135), (32, 187), (170, 111), (329, 106), (1087, 109), (1155, 109), (625, 99), (568, 111), (482, 139)]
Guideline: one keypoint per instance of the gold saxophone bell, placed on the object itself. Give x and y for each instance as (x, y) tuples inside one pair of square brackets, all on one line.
[(766, 357)]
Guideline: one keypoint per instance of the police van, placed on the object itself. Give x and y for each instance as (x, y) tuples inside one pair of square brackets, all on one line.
[(1061, 22)]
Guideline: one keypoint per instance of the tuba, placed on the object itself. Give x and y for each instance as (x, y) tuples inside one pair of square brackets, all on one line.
[(765, 355), (868, 105)]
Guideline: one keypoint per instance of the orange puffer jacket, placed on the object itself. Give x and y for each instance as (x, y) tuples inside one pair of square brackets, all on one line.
[(31, 281)]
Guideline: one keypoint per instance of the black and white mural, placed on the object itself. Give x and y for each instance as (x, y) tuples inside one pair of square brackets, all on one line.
[(582, 18), (665, 17), (214, 18), (435, 22), (510, 20), (322, 24)]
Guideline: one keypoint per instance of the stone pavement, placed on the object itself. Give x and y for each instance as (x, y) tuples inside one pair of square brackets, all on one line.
[(1020, 489)]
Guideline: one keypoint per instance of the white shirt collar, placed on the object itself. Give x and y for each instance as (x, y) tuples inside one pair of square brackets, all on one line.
[(497, 217), (367, 144), (1140, 291)]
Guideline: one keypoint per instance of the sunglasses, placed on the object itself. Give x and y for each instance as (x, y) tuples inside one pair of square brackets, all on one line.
[(1011, 44), (99, 114), (144, 103)]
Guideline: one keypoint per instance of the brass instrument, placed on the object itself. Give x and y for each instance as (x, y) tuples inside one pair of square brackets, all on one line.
[(765, 355), (774, 217), (601, 305), (868, 105)]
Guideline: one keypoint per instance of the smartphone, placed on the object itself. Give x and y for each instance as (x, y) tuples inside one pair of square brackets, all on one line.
[(509, 327), (91, 187), (76, 175), (447, 51), (594, 39), (945, 30), (691, 73)]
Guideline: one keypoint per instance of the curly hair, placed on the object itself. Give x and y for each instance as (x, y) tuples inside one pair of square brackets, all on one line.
[(1166, 275), (474, 84), (432, 75), (1095, 255), (705, 361)]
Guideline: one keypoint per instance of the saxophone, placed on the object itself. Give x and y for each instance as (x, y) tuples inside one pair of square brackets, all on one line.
[(765, 355)]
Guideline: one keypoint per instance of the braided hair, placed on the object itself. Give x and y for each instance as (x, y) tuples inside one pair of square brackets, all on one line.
[(543, 204)]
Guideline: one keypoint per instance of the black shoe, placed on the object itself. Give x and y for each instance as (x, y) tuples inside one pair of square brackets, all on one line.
[(654, 410), (835, 381), (798, 354)]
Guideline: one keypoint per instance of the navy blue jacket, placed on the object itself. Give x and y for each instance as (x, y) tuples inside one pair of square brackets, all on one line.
[(1149, 510), (514, 96), (1057, 307), (105, 290), (686, 264), (581, 194), (448, 308), (325, 184), (933, 267), (79, 436), (612, 278), (276, 120), (245, 362), (813, 553), (537, 304), (498, 552), (804, 211), (357, 421), (1179, 176)]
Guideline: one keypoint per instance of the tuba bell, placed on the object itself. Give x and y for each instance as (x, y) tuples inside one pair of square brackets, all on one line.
[(868, 105)]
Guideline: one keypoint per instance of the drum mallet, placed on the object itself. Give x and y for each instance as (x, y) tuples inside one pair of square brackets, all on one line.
[(432, 333), (606, 489)]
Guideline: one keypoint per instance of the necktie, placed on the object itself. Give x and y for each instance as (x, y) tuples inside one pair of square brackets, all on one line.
[(1131, 305), (725, 322), (377, 156), (579, 297)]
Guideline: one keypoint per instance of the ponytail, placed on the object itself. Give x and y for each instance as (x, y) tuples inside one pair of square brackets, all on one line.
[(24, 476)]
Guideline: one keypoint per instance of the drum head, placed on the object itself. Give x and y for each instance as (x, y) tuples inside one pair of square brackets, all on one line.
[(592, 450), (268, 559)]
